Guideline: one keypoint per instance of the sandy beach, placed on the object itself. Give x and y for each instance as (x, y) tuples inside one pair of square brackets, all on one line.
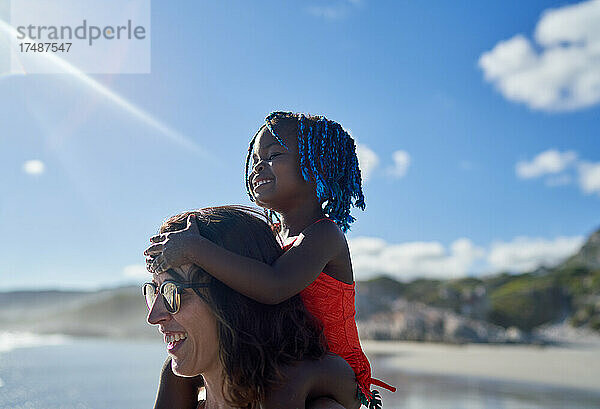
[(572, 366)]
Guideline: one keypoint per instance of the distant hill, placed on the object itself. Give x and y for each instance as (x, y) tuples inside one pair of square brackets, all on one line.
[(119, 312), (579, 275), (498, 308), (588, 256), (520, 303)]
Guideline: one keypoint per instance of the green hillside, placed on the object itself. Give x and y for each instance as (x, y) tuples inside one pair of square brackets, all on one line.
[(570, 290)]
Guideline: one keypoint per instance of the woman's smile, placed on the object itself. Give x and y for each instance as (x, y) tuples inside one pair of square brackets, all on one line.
[(174, 340)]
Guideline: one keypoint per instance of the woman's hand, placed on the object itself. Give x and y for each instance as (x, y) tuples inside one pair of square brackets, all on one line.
[(173, 249)]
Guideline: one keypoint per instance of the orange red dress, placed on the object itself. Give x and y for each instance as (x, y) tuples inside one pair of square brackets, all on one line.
[(332, 302)]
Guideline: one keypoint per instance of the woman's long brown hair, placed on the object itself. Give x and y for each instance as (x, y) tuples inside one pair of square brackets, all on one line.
[(255, 340)]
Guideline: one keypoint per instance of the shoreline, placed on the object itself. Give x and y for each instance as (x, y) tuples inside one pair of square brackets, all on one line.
[(557, 366), (574, 363)]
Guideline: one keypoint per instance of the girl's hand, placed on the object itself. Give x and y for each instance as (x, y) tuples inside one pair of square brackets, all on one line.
[(172, 249)]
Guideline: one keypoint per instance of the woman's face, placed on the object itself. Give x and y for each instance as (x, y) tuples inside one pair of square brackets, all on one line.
[(197, 352)]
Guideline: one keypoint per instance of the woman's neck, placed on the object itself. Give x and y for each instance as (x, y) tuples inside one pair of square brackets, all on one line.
[(214, 391)]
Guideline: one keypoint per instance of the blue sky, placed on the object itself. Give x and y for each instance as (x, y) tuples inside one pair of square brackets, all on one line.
[(476, 123)]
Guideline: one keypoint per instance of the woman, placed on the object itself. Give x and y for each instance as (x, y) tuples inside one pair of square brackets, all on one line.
[(250, 355)]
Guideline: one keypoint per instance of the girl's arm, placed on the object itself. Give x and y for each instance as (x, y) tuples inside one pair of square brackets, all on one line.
[(176, 391), (316, 246)]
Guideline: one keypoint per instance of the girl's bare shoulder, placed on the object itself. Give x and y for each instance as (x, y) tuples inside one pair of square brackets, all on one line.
[(328, 237), (323, 235), (307, 380)]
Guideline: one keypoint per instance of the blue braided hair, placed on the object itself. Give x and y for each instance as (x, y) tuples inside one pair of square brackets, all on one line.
[(327, 154)]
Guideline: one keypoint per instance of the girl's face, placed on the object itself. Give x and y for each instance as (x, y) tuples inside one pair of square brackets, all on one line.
[(198, 351), (276, 180)]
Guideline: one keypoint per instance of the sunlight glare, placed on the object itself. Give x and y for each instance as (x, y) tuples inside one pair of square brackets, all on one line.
[(135, 111)]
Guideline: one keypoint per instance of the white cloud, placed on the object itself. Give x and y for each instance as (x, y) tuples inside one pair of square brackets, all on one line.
[(525, 253), (372, 256), (556, 165), (401, 163), (559, 180), (367, 160), (34, 167), (136, 271), (565, 74), (589, 177), (547, 162)]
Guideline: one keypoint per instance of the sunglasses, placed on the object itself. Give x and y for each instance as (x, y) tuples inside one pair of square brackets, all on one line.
[(171, 292)]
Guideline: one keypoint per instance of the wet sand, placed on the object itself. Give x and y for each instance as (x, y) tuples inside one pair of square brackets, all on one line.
[(575, 365)]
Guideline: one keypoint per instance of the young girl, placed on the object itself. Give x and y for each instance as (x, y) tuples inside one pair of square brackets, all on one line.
[(304, 170)]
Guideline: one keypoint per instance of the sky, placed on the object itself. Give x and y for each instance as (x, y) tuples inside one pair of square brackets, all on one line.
[(476, 125)]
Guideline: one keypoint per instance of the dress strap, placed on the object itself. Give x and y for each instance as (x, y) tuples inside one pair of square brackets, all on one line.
[(287, 246), (382, 384), (320, 220)]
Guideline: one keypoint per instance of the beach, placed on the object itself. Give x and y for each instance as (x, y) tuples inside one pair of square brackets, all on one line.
[(428, 376), (568, 366)]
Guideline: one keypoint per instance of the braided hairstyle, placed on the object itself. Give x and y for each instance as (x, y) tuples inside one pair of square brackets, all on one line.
[(327, 155)]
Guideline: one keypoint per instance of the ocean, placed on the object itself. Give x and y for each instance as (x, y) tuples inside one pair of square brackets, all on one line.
[(55, 372)]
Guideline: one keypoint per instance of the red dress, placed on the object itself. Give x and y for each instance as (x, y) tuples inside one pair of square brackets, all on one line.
[(332, 302)]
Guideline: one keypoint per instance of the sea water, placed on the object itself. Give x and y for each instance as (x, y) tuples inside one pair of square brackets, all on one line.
[(59, 372), (66, 373)]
